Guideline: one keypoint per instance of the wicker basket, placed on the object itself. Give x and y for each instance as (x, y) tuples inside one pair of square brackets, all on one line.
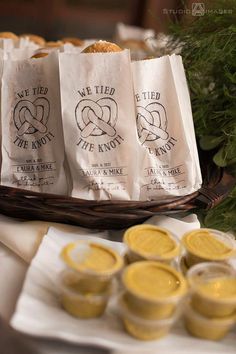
[(113, 214)]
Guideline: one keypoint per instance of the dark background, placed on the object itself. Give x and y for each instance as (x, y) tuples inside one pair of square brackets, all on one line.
[(54, 19)]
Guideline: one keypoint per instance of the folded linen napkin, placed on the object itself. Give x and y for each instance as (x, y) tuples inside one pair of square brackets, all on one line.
[(24, 237), (177, 226)]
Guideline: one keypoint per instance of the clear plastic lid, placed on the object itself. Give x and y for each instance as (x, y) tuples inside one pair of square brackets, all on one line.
[(152, 242), (154, 281), (92, 258), (206, 321), (209, 244), (69, 284), (125, 312), (212, 280)]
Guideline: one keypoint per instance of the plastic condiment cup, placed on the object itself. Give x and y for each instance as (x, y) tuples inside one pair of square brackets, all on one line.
[(145, 329), (95, 263), (207, 328), (149, 242), (153, 290), (213, 289), (205, 245), (182, 265), (79, 303)]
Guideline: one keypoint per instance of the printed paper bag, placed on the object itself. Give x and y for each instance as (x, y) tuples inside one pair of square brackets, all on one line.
[(98, 119), (169, 162), (32, 137)]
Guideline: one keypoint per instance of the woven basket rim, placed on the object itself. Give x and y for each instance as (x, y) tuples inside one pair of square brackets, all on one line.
[(111, 214)]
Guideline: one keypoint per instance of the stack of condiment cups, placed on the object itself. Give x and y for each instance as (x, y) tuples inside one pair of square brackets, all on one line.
[(151, 301), (206, 245), (149, 242), (88, 281), (211, 310)]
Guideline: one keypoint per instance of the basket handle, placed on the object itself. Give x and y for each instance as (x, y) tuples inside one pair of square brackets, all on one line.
[(210, 196)]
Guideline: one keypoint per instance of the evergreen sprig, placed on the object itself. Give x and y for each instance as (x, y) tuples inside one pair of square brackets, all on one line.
[(208, 48)]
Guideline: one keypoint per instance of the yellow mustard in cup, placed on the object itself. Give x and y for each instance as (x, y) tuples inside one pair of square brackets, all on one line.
[(80, 303), (207, 328), (204, 245), (144, 329), (95, 263), (153, 289), (149, 242), (213, 289)]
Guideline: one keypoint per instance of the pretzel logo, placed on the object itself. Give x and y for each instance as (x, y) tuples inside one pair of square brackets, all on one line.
[(30, 117), (96, 118), (151, 122)]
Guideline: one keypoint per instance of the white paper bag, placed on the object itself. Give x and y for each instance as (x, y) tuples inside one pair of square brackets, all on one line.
[(124, 32), (99, 119), (32, 136), (17, 49), (24, 42), (137, 39), (19, 53), (7, 44), (169, 162)]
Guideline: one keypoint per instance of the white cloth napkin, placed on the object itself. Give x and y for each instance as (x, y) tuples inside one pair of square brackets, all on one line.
[(24, 237), (177, 226)]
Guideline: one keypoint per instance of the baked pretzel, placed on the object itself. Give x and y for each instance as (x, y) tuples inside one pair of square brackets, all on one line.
[(102, 47), (34, 38), (134, 44), (39, 55), (54, 44), (73, 40), (8, 35)]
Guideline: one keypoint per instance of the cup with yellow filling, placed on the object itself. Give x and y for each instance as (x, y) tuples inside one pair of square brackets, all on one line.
[(153, 290), (77, 301), (204, 245), (149, 242), (205, 327), (213, 289), (86, 284), (144, 329), (94, 263)]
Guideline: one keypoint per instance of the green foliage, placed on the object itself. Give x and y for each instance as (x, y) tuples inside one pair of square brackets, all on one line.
[(208, 48), (223, 217)]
